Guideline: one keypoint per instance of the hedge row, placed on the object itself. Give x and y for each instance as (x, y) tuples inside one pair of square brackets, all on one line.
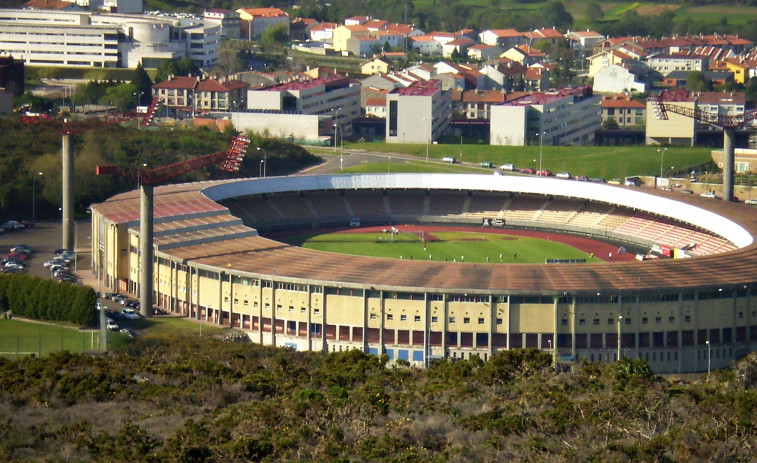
[(43, 299)]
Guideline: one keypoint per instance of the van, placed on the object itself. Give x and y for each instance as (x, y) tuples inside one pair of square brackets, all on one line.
[(448, 160)]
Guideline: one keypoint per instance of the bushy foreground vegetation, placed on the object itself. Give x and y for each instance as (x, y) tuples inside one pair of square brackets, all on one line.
[(43, 299), (195, 399)]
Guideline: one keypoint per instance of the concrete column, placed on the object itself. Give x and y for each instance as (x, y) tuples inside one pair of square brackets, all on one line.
[(728, 161), (273, 313), (310, 319), (426, 329), (365, 321), (381, 325), (145, 250), (67, 181)]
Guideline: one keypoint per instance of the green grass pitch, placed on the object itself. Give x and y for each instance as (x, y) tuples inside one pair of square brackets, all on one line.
[(447, 246)]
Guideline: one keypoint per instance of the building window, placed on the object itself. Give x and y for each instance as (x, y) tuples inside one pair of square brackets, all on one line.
[(658, 319), (480, 321), (687, 318), (671, 319), (564, 322), (628, 320), (403, 318), (389, 316), (434, 319), (373, 316), (466, 320), (610, 321), (499, 321), (291, 308), (452, 319), (581, 321), (644, 321), (417, 318), (317, 311), (596, 321)]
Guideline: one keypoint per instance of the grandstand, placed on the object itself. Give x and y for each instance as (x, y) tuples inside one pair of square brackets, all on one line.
[(212, 265)]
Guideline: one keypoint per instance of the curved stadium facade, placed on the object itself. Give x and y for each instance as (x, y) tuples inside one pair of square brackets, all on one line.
[(211, 264)]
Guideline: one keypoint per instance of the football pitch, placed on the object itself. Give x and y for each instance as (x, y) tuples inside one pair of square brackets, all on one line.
[(449, 246)]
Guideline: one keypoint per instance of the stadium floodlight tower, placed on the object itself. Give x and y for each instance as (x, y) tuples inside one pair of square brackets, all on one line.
[(230, 161), (662, 105), (67, 125)]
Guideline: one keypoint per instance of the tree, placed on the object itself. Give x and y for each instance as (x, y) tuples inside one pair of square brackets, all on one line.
[(274, 36), (698, 82), (609, 124), (173, 67), (229, 60), (555, 14), (142, 84), (593, 11)]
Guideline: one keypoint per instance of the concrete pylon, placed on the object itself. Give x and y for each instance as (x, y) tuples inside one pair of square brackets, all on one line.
[(67, 181), (145, 250), (728, 161)]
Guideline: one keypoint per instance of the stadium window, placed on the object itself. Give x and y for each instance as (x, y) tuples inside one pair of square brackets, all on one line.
[(254, 304), (267, 305), (303, 310), (466, 320), (417, 318), (596, 321), (564, 322), (452, 319), (499, 321), (644, 321), (226, 299), (373, 316), (236, 301), (658, 319), (316, 311), (582, 321), (671, 319), (610, 321), (278, 307), (403, 318), (741, 315), (291, 308), (480, 321), (389, 316), (628, 320), (434, 319)]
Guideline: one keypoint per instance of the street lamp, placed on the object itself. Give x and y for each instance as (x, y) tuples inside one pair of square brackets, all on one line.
[(340, 131), (34, 205), (265, 159), (428, 136), (709, 356), (336, 122), (260, 170), (662, 159)]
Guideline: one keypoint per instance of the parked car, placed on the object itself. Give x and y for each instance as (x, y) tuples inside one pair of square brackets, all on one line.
[(688, 192), (507, 167), (564, 175), (751, 202), (12, 225), (54, 261), (708, 194), (528, 170), (486, 164), (110, 325), (21, 248), (129, 314), (543, 173)]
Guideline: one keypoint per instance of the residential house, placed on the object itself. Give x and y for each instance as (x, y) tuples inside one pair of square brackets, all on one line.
[(552, 36), (425, 45), (376, 65), (323, 32), (505, 38), (442, 37), (176, 92), (343, 33), (220, 95), (524, 54), (483, 52), (363, 46), (566, 116), (606, 58), (392, 38), (458, 46), (376, 107), (356, 20), (583, 42), (419, 113), (300, 28), (624, 111), (255, 21), (513, 74), (537, 79), (741, 69), (476, 104), (619, 78)]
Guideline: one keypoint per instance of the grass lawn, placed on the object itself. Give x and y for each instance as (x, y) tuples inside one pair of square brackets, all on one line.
[(20, 338), (451, 246), (593, 161), (173, 326)]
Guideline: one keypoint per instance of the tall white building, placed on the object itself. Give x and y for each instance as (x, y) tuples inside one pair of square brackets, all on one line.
[(59, 38), (418, 113), (566, 116)]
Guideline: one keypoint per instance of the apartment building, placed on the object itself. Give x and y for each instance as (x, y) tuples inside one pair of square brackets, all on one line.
[(336, 97), (566, 116), (227, 19), (626, 112), (253, 22), (418, 113)]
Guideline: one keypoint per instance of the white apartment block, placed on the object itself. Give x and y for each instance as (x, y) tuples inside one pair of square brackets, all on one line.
[(566, 116), (418, 113), (336, 97), (227, 19), (58, 38), (255, 21), (665, 64)]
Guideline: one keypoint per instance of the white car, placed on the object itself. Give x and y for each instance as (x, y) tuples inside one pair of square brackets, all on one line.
[(110, 325), (708, 194), (508, 167), (751, 202), (129, 314), (565, 175)]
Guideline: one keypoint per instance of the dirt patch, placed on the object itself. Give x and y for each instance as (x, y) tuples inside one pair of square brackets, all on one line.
[(654, 10)]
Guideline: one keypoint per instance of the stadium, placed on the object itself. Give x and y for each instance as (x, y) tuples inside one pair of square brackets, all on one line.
[(687, 311)]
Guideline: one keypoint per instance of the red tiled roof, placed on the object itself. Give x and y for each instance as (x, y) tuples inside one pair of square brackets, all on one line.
[(48, 4), (420, 88), (375, 101), (264, 12), (506, 33), (621, 101), (483, 96)]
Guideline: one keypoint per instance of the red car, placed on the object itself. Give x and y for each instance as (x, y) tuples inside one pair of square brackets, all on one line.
[(528, 170), (544, 173)]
